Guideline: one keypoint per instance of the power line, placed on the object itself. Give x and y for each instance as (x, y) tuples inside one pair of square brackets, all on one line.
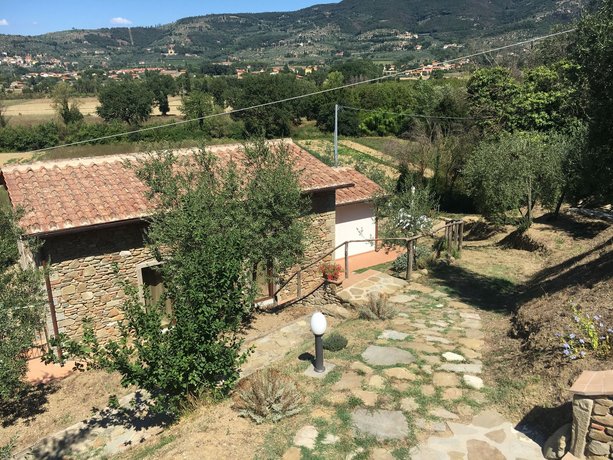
[(302, 96)]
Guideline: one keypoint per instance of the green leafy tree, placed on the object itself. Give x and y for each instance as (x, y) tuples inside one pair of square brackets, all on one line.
[(213, 226), (127, 100), (161, 86), (197, 104), (514, 172), (65, 103), (3, 118), (322, 107), (20, 309), (549, 98), (492, 93), (274, 120), (592, 50)]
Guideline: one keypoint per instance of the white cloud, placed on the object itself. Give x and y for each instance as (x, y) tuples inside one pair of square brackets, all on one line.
[(122, 21), (4, 22)]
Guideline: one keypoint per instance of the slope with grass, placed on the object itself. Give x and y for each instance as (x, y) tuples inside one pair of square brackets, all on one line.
[(528, 297)]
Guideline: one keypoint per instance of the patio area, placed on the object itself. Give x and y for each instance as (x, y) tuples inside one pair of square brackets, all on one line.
[(369, 260)]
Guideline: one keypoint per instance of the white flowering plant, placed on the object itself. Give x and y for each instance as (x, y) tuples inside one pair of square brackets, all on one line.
[(406, 213)]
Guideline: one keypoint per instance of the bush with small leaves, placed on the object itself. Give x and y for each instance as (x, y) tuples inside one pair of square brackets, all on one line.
[(6, 450), (400, 264), (334, 342), (377, 308), (268, 396), (423, 257)]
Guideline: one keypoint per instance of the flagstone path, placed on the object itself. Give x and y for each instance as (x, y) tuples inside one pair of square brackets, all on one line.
[(429, 357)]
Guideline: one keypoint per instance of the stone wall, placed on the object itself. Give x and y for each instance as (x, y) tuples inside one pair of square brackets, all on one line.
[(84, 279), (592, 429), (319, 240), (83, 268)]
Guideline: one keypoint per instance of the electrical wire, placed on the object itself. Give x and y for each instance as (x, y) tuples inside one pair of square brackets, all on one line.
[(302, 96)]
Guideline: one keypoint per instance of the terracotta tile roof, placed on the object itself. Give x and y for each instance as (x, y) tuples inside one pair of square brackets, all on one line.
[(363, 190), (67, 194)]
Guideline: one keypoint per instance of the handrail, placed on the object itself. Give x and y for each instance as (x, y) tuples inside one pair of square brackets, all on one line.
[(407, 241)]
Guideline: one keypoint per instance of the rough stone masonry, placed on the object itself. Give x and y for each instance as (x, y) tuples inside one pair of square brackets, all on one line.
[(592, 427)]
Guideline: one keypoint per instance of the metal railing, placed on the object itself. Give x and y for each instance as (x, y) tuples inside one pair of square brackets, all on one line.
[(454, 231)]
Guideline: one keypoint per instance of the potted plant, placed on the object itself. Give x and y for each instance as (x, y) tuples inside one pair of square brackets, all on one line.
[(330, 271)]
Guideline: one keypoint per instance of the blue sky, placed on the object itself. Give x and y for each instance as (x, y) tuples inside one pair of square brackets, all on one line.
[(33, 17)]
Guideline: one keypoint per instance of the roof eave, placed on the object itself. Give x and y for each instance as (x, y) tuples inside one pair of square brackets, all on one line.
[(362, 200), (328, 188), (85, 228)]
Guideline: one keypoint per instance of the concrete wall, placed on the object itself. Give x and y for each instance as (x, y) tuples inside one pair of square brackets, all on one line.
[(355, 222)]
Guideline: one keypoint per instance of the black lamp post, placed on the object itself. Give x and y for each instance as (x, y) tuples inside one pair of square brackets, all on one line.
[(318, 326)]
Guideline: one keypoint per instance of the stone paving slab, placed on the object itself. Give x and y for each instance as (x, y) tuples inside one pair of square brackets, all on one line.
[(378, 283), (387, 356), (382, 424), (488, 437)]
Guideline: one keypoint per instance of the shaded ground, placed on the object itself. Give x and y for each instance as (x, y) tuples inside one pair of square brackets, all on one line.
[(528, 298), (44, 409), (41, 410)]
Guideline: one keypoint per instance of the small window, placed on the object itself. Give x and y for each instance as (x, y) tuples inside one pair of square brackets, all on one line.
[(153, 290)]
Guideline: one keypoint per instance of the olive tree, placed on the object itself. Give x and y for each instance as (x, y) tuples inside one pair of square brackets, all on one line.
[(20, 309), (516, 171), (214, 223), (65, 103)]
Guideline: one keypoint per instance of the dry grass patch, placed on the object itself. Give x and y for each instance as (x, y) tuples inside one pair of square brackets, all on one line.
[(45, 409)]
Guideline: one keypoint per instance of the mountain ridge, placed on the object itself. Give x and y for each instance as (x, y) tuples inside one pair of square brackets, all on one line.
[(354, 26)]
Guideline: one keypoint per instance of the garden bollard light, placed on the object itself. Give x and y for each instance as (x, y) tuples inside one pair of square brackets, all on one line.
[(318, 326)]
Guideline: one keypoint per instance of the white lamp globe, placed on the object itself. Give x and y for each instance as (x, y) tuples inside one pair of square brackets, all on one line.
[(318, 323)]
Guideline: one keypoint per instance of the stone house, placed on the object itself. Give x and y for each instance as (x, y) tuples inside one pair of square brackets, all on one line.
[(90, 215)]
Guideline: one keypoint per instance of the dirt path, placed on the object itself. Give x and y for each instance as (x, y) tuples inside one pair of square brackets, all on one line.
[(428, 173), (367, 151), (14, 156)]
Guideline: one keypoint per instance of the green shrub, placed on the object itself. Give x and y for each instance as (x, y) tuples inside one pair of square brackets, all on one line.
[(440, 245), (377, 308), (423, 256), (400, 264), (6, 451), (268, 396), (334, 342)]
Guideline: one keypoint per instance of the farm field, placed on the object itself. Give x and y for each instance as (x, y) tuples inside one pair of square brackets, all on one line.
[(32, 111)]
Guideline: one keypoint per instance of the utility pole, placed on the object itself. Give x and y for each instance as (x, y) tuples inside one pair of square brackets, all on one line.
[(336, 135)]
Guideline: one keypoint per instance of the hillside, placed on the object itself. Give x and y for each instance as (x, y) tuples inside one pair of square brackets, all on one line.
[(353, 26)]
